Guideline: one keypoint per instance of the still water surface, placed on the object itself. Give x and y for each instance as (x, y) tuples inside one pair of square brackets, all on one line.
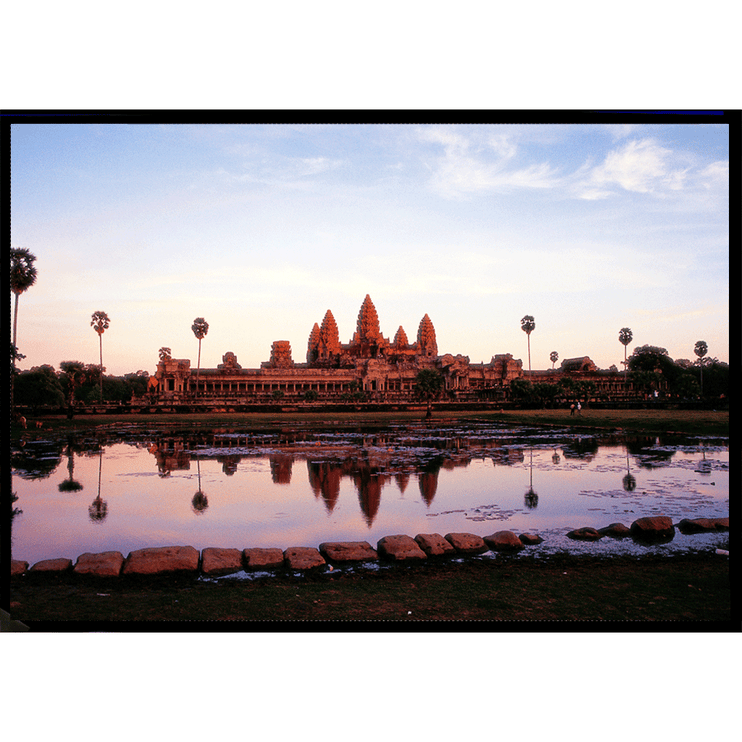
[(131, 487)]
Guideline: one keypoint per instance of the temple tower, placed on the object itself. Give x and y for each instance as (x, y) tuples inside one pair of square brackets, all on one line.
[(313, 344), (329, 339), (400, 339), (426, 343), (367, 330)]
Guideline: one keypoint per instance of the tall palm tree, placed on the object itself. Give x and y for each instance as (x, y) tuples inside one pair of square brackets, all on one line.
[(554, 357), (528, 325), (100, 324), (625, 336), (700, 350), (22, 277), (200, 327)]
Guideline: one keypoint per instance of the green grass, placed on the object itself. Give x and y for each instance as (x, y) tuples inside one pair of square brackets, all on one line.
[(694, 422)]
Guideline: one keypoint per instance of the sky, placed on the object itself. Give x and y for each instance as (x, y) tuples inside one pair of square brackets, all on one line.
[(260, 229)]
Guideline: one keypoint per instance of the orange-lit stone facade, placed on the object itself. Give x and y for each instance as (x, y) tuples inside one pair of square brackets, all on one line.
[(385, 370), (368, 368)]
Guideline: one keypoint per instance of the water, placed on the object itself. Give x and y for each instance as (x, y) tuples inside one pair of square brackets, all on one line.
[(125, 488)]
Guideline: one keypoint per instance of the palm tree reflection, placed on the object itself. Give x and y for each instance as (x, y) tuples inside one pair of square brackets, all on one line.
[(531, 498), (200, 502), (98, 510), (629, 480), (70, 485)]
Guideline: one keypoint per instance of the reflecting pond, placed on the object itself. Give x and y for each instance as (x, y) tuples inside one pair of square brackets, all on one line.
[(127, 487)]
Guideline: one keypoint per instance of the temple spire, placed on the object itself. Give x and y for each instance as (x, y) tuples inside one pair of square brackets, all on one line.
[(426, 343), (368, 323)]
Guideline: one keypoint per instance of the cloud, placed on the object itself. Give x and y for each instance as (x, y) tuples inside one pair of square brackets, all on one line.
[(639, 166), (471, 164)]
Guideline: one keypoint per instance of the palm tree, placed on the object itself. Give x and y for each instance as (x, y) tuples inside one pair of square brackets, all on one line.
[(700, 350), (200, 327), (528, 325), (625, 336), (554, 357), (22, 277), (100, 324)]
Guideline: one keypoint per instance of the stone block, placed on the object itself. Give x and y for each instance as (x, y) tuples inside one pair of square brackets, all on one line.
[(303, 557), (697, 525), (104, 564), (17, 567), (530, 539), (467, 543), (503, 541), (433, 544), (400, 549), (348, 551), (653, 528), (584, 534), (215, 561), (161, 560), (615, 530), (52, 565), (262, 558)]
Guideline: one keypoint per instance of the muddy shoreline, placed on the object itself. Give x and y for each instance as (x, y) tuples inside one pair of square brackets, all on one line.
[(679, 593)]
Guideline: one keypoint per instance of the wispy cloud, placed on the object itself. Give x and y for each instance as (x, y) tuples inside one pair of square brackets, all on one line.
[(472, 165)]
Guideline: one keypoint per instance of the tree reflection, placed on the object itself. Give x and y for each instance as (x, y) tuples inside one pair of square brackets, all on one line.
[(98, 510), (69, 484), (704, 467), (531, 497), (200, 502), (629, 480)]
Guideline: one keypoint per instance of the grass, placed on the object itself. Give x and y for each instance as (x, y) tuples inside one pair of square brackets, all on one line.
[(693, 588), (692, 422)]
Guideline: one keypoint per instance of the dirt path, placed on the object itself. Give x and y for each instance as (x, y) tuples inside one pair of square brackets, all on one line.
[(681, 593)]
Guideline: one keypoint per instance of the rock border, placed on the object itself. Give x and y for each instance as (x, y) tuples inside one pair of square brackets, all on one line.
[(399, 549)]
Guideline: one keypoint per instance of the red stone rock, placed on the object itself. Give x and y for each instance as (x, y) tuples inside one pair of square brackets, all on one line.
[(105, 564), (215, 561), (262, 558), (400, 549), (17, 567), (433, 544), (467, 543), (161, 560), (530, 539), (348, 551), (697, 525), (722, 524), (584, 534), (657, 527), (615, 530), (52, 565), (503, 541), (303, 557)]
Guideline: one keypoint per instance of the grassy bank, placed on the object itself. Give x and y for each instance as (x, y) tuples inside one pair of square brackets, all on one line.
[(620, 592), (692, 422)]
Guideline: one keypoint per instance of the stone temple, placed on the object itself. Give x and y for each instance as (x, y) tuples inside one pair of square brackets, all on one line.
[(380, 369), (384, 369)]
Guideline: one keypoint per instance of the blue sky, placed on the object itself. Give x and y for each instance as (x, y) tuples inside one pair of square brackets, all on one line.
[(261, 229)]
